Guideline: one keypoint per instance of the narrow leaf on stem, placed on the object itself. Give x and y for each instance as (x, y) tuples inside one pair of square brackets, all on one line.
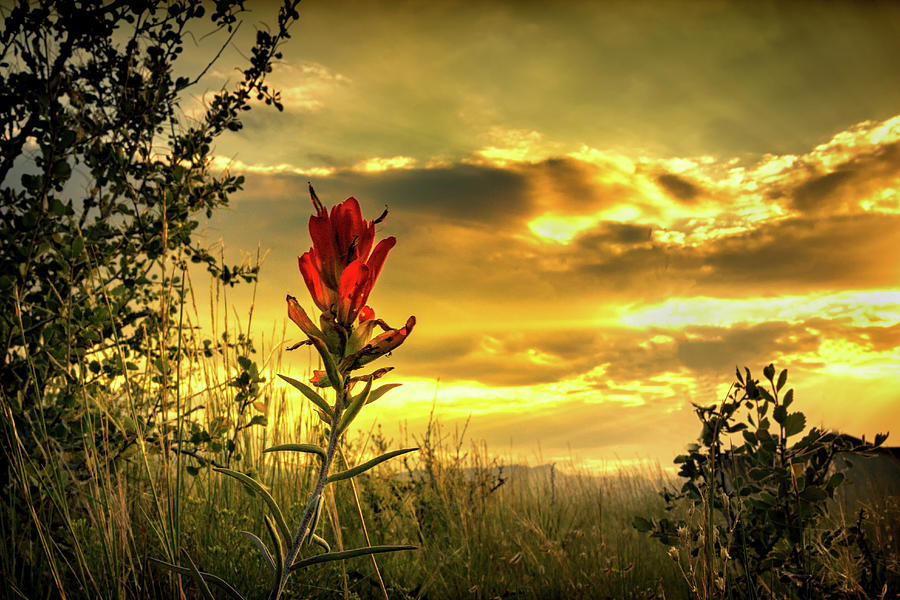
[(381, 391), (317, 514), (277, 543), (261, 546), (368, 465), (259, 489), (354, 406), (331, 556), (334, 376), (321, 542), (310, 393), (308, 448), (214, 579)]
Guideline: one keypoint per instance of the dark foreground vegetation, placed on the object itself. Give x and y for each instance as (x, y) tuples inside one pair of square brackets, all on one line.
[(484, 529)]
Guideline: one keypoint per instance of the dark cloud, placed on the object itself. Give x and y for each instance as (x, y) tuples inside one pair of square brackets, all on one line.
[(474, 194), (790, 256), (720, 349), (679, 187), (568, 186), (504, 358), (633, 355), (327, 160), (874, 338), (850, 182), (802, 254), (616, 235)]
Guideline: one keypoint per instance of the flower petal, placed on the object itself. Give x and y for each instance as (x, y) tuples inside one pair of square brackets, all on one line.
[(376, 261), (319, 379), (349, 226), (313, 280), (364, 244), (352, 291), (366, 314), (299, 316), (322, 234), (317, 204)]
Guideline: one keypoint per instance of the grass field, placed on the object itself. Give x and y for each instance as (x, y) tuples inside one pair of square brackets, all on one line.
[(84, 522)]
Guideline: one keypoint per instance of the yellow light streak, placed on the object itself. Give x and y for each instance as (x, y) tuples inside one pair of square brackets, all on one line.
[(379, 165), (859, 308)]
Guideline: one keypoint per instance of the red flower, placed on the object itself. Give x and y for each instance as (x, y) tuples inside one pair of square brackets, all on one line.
[(340, 270), (379, 346), (341, 267), (319, 378)]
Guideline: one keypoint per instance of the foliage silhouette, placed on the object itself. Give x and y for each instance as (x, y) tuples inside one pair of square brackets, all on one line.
[(104, 183), (759, 503)]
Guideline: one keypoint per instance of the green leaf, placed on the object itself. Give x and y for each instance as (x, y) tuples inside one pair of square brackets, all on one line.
[(642, 524), (310, 394), (794, 424), (61, 169), (353, 407), (788, 398), (308, 448), (835, 480), (813, 494), (321, 543), (77, 247), (757, 473), (261, 546), (214, 579), (767, 498), (318, 501), (331, 556), (201, 582), (56, 207), (334, 375), (277, 543), (381, 391), (259, 489), (769, 371), (779, 414), (258, 420), (368, 465), (782, 379)]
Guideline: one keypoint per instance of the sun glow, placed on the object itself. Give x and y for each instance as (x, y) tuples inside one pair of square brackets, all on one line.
[(561, 229)]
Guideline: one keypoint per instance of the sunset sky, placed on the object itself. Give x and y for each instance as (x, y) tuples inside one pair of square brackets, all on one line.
[(601, 207)]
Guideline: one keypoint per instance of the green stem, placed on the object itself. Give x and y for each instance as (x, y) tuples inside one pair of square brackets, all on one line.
[(305, 522)]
